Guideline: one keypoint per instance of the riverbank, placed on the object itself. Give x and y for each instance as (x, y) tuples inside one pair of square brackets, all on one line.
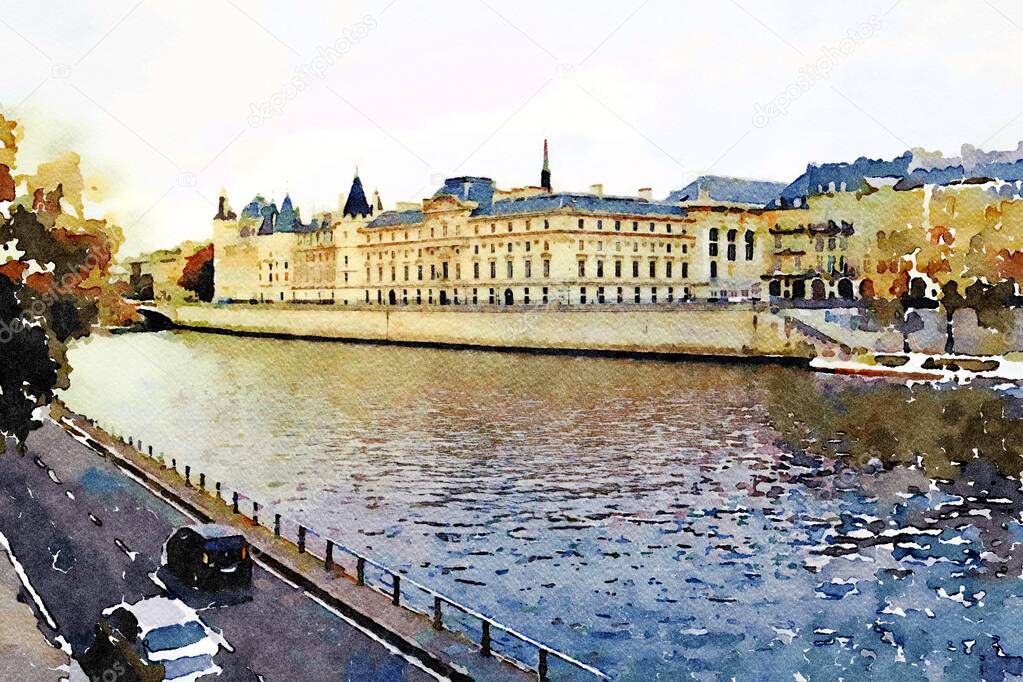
[(683, 330), (304, 557)]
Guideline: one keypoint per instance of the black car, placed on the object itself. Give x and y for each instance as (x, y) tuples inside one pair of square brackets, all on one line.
[(209, 557)]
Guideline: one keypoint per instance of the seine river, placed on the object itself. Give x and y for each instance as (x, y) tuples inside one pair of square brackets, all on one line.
[(661, 520)]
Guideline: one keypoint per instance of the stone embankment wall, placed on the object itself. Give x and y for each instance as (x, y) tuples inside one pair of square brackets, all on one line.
[(718, 330)]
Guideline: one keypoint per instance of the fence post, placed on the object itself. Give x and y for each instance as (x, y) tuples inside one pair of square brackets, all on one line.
[(396, 595), (438, 621), (301, 539), (234, 501), (485, 639), (360, 571), (202, 481), (277, 525), (541, 666), (188, 475), (328, 559), (255, 512)]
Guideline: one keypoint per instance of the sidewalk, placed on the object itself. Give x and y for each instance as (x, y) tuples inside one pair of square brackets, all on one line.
[(25, 655)]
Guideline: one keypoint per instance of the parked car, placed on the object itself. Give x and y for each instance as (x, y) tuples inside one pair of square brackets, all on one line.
[(209, 557), (158, 638)]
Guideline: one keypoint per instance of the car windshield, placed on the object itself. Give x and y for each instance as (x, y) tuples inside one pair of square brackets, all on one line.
[(175, 636), (228, 544), (184, 667)]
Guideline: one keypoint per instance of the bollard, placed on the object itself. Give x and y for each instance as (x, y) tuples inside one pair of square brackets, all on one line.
[(150, 450), (218, 490), (485, 640), (202, 481), (301, 539), (255, 512), (360, 571), (396, 595), (188, 475), (541, 666), (234, 497), (277, 525), (328, 559), (438, 621)]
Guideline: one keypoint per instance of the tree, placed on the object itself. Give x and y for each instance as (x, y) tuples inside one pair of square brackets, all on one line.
[(197, 275), (53, 281)]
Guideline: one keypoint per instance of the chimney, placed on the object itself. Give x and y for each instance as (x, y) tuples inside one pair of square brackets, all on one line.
[(646, 193), (597, 189)]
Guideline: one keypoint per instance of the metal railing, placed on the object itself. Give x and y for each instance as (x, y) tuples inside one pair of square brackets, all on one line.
[(397, 587)]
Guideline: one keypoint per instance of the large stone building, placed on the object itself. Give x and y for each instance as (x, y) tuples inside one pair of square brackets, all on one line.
[(472, 243)]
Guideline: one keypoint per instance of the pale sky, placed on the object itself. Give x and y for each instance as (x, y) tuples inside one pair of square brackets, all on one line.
[(163, 99)]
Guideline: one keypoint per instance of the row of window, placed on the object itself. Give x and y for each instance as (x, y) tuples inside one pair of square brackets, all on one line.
[(507, 297), (582, 224), (712, 247), (652, 267)]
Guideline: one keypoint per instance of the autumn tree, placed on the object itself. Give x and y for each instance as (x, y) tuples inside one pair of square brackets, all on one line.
[(54, 277), (197, 275)]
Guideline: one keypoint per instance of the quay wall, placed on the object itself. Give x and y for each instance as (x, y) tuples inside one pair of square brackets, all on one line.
[(721, 330)]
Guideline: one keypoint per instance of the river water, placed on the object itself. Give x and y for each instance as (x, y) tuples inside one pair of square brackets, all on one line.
[(660, 520)]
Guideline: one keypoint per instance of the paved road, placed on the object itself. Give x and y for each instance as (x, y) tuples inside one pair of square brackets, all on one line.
[(89, 537)]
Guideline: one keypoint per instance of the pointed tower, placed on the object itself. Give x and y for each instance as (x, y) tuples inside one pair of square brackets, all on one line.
[(376, 200), (288, 218), (356, 206), (545, 174)]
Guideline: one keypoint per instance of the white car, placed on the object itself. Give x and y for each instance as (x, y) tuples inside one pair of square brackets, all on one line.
[(172, 634)]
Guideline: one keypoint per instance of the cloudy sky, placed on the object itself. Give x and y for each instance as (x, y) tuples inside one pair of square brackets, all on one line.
[(167, 101)]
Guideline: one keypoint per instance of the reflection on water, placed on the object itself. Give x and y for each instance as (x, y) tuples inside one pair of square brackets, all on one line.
[(656, 519)]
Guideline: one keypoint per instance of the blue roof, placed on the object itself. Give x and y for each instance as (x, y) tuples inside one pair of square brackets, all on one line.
[(392, 218), (356, 205), (287, 219), (587, 203), (728, 189)]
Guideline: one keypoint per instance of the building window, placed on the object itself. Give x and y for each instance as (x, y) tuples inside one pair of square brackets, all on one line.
[(712, 247), (433, 271), (527, 245), (685, 270), (653, 269), (618, 226), (546, 224), (600, 294), (444, 270), (651, 227), (406, 273), (671, 294), (653, 294), (510, 247), (529, 269), (731, 244), (582, 268), (582, 223), (404, 296), (619, 294), (713, 269), (491, 296), (600, 224), (618, 268), (525, 295), (546, 268), (511, 270), (582, 295), (749, 244), (600, 268), (667, 270), (635, 294), (475, 270), (475, 297), (493, 270), (667, 226), (545, 297), (419, 272), (635, 226)]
